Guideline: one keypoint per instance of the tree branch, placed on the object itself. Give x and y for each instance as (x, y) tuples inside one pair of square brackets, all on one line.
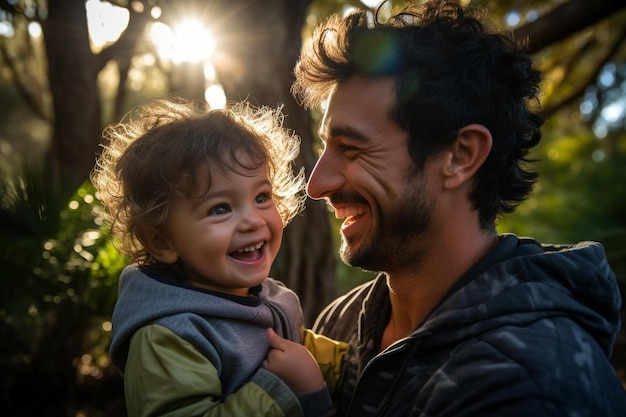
[(578, 92), (21, 86), (565, 20)]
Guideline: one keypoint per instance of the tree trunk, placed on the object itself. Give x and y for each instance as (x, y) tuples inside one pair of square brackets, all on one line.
[(187, 80), (76, 99)]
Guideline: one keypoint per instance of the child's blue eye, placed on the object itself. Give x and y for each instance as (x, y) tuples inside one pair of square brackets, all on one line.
[(263, 197), (219, 210)]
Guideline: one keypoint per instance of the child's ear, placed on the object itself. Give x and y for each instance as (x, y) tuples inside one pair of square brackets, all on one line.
[(159, 247), (466, 155)]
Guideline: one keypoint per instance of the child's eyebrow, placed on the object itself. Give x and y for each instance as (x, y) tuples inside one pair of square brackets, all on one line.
[(225, 192)]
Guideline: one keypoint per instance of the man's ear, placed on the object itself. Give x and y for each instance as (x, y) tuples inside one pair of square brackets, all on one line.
[(159, 247), (466, 155)]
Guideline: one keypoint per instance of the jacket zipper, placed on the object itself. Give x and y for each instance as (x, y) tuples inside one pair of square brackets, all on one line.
[(278, 320), (384, 404)]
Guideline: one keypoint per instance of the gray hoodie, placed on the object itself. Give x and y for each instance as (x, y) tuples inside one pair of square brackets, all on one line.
[(229, 330)]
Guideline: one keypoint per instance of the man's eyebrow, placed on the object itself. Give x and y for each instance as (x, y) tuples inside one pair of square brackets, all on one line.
[(343, 131)]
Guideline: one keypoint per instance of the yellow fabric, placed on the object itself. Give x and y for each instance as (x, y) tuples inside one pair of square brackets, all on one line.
[(166, 376), (328, 353)]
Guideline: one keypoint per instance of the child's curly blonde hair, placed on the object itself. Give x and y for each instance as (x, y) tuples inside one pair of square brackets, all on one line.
[(157, 152)]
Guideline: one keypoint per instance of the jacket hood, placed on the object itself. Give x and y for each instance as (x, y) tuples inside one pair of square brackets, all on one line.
[(533, 282), (148, 296)]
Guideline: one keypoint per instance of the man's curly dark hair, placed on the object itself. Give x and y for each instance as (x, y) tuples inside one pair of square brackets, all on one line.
[(450, 71)]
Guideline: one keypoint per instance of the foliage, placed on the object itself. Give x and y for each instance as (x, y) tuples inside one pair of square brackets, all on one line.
[(58, 284), (580, 194)]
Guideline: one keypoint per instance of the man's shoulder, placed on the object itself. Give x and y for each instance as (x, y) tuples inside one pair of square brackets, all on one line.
[(340, 318)]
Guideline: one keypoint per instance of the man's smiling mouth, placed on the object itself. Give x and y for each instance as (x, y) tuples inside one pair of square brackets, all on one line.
[(350, 213)]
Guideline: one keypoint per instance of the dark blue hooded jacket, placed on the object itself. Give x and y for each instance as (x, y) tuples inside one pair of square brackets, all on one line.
[(528, 331)]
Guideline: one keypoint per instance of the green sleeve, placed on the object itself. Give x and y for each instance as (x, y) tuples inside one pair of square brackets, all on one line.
[(167, 376)]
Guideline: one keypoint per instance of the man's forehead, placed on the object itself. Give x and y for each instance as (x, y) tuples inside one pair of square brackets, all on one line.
[(357, 98)]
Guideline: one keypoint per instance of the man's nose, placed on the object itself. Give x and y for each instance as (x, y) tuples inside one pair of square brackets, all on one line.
[(325, 178)]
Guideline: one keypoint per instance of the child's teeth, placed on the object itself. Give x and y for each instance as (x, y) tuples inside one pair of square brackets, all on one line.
[(251, 248)]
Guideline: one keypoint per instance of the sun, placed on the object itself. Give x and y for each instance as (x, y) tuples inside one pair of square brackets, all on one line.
[(187, 41)]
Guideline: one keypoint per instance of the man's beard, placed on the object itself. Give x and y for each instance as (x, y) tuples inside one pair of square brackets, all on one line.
[(395, 241)]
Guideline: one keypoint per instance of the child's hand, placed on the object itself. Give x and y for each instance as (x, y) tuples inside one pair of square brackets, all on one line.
[(293, 363)]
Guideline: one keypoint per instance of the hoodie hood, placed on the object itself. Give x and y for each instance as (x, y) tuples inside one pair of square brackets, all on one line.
[(217, 324), (531, 283)]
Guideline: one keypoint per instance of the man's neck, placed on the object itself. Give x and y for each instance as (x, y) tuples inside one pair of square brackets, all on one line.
[(414, 294)]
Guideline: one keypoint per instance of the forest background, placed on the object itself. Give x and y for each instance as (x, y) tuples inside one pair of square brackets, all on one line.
[(69, 68)]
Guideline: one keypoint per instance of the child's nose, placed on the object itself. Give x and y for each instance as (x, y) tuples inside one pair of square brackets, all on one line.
[(251, 220)]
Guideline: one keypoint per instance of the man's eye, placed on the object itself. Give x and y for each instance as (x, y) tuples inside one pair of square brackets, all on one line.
[(219, 210), (348, 148)]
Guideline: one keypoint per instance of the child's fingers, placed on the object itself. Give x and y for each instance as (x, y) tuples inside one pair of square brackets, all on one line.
[(276, 342)]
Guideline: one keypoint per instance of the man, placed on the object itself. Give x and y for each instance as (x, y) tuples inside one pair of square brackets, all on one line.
[(427, 126)]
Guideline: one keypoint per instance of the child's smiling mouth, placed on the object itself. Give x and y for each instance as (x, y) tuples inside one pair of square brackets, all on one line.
[(249, 253)]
